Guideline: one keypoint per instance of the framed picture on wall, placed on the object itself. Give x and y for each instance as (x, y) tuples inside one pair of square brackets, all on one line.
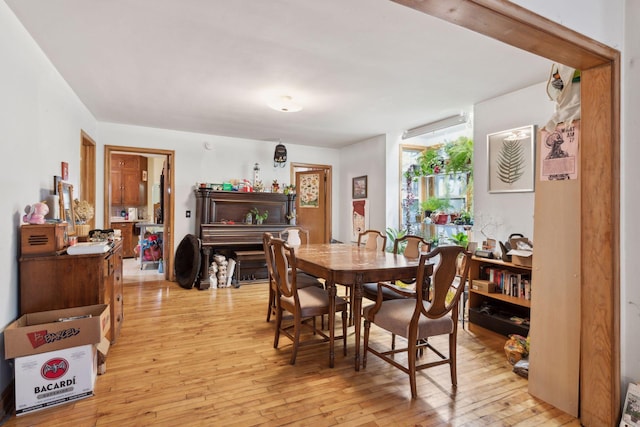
[(511, 158), (359, 190)]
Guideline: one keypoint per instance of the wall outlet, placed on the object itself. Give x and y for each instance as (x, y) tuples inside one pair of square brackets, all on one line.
[(188, 214)]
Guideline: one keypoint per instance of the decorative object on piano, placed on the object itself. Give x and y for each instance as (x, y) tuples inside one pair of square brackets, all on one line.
[(275, 187), (280, 156), (260, 217), (34, 214), (289, 189), (256, 174), (291, 218), (84, 213), (258, 187)]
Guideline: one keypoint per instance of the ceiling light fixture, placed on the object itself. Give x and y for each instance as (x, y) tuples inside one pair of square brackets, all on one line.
[(285, 103), (434, 126)]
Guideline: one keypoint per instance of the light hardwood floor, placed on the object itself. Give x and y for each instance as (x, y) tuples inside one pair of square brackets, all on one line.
[(206, 358)]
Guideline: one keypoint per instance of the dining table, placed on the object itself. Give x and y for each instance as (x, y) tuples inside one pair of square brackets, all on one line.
[(352, 266)]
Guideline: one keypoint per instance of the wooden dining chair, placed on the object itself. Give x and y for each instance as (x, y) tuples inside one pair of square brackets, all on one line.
[(302, 280), (416, 319), (411, 246), (302, 303), (372, 239)]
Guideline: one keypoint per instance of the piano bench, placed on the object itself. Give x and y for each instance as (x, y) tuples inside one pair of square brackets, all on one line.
[(249, 261)]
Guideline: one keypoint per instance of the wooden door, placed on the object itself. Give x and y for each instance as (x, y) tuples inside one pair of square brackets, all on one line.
[(131, 187), (311, 204), (167, 217), (116, 188)]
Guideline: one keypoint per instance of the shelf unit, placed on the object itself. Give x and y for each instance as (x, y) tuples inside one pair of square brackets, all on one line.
[(504, 307)]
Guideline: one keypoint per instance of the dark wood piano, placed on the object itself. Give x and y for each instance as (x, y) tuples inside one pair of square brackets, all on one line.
[(221, 227)]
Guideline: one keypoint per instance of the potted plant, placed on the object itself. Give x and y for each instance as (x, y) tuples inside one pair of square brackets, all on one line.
[(431, 205), (84, 213), (259, 217)]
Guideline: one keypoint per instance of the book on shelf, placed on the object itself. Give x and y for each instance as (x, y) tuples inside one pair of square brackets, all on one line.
[(507, 282)]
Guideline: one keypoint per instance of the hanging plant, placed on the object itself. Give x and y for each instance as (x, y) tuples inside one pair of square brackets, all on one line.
[(431, 162), (460, 155)]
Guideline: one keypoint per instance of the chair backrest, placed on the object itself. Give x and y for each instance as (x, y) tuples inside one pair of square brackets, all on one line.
[(445, 294), (268, 256), (412, 245), (372, 237), (285, 271), (302, 232)]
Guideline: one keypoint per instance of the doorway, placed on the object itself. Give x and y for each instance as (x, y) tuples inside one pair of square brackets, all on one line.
[(88, 172), (316, 219), (600, 183), (159, 199)]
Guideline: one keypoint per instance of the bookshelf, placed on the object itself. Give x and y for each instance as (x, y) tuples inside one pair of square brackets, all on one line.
[(498, 312)]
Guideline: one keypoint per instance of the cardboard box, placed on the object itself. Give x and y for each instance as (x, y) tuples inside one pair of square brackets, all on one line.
[(49, 379), (47, 331), (483, 285), (523, 258)]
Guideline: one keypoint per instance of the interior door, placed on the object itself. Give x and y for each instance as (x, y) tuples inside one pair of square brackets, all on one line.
[(167, 217), (311, 204)]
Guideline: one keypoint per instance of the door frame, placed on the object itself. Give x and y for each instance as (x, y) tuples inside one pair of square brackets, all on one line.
[(599, 183), (168, 254), (328, 170), (87, 189)]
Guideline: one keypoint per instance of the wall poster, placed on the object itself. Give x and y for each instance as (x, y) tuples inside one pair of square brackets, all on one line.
[(309, 190), (559, 152), (359, 218)]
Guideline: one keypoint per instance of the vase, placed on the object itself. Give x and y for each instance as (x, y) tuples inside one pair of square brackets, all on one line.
[(294, 238)]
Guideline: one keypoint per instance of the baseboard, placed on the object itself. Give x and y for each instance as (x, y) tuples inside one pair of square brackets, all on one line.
[(7, 402)]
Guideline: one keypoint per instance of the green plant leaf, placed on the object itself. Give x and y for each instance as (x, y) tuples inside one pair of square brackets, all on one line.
[(510, 162)]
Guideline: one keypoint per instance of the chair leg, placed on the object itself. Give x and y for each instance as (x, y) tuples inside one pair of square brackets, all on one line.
[(365, 347), (272, 299), (393, 341), (278, 326), (344, 331), (412, 366), (297, 325), (452, 358)]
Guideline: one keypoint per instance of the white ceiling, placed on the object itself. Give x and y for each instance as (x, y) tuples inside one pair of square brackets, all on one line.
[(360, 67)]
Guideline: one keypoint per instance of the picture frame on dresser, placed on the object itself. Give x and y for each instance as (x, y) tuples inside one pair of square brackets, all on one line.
[(67, 214)]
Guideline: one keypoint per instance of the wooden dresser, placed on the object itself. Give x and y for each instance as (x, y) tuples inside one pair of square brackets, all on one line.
[(61, 281)]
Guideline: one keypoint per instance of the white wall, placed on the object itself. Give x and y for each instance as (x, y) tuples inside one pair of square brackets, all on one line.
[(229, 158), (364, 158), (40, 122), (501, 214), (630, 226)]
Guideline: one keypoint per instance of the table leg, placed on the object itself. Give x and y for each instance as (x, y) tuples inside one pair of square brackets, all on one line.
[(331, 290), (357, 315)]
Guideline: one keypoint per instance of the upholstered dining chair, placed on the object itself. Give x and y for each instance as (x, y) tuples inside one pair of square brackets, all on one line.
[(302, 280), (372, 239), (416, 319), (410, 246), (302, 303)]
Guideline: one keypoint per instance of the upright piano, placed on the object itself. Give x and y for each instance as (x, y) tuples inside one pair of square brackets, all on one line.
[(221, 223)]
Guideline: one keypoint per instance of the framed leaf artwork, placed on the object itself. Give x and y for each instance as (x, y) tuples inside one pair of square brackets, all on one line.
[(511, 158)]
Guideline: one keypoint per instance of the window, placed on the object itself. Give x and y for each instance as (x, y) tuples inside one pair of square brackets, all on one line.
[(436, 187)]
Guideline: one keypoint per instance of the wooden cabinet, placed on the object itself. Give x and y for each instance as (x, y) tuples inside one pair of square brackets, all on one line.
[(506, 311), (129, 237), (63, 281), (127, 185)]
